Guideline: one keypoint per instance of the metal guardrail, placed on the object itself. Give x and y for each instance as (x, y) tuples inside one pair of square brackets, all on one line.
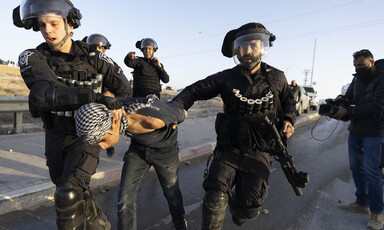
[(16, 105)]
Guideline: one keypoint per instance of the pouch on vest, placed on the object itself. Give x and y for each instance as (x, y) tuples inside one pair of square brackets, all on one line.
[(222, 127)]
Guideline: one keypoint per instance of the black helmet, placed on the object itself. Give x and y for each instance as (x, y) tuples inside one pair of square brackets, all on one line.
[(98, 40), (31, 9), (257, 29), (147, 42)]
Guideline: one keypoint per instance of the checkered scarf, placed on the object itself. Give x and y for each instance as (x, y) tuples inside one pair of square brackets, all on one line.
[(94, 120), (136, 106)]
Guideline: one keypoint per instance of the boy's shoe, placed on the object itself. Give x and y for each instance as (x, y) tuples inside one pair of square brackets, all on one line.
[(353, 207), (376, 221)]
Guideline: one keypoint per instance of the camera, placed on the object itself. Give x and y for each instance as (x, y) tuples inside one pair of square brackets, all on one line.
[(330, 107)]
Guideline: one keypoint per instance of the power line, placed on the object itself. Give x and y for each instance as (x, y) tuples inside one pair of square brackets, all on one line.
[(279, 20), (314, 12), (301, 35), (333, 30)]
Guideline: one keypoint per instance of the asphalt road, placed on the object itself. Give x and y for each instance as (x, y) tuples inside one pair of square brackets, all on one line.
[(330, 185)]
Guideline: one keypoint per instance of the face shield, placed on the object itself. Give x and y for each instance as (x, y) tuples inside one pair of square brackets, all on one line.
[(249, 48), (30, 9), (98, 40), (148, 42)]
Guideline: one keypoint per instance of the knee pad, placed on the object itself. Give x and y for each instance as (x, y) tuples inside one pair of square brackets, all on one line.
[(215, 200), (70, 208), (214, 206)]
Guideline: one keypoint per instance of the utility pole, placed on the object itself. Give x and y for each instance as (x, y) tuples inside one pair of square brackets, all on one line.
[(313, 62), (306, 72)]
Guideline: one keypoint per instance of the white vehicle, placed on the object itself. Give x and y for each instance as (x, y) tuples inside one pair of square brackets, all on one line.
[(344, 88), (314, 99), (304, 104)]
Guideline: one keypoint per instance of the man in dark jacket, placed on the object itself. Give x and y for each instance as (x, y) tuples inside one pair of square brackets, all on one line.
[(249, 90), (147, 70), (296, 93), (62, 76), (366, 135)]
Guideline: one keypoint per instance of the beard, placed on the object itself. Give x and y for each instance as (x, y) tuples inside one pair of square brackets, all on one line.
[(249, 65)]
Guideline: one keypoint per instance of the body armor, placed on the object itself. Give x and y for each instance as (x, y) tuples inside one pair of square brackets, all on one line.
[(76, 73)]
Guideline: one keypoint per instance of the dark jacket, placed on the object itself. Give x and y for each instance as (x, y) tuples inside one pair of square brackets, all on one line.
[(41, 76), (146, 76), (296, 93), (367, 96), (224, 82)]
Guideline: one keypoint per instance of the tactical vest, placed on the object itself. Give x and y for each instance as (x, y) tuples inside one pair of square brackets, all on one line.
[(78, 72), (145, 79), (240, 126)]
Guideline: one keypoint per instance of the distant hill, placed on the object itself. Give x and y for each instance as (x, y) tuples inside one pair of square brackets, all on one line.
[(11, 82)]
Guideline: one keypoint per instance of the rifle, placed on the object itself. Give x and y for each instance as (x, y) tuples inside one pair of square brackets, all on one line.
[(279, 151)]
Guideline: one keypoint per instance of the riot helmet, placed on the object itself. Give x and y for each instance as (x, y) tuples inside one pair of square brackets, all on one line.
[(30, 10), (248, 44), (147, 42), (98, 40)]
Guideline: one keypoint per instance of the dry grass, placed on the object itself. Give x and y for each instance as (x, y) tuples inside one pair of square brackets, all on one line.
[(11, 82)]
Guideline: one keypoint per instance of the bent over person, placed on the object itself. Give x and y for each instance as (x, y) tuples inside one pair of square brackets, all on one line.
[(62, 76), (150, 124), (250, 89)]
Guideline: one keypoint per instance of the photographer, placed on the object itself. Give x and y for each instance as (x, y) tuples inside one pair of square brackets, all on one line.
[(366, 135)]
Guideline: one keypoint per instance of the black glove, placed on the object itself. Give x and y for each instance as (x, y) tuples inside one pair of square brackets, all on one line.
[(110, 102)]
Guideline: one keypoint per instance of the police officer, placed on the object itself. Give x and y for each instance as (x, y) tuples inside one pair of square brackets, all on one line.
[(249, 90), (62, 76), (147, 70), (98, 42)]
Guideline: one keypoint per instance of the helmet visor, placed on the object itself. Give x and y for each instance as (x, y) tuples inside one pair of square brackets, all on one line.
[(148, 42), (36, 8), (98, 40), (255, 43)]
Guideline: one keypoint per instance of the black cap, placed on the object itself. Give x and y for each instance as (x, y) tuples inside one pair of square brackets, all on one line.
[(249, 28)]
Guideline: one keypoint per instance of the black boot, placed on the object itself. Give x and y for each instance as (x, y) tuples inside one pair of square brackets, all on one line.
[(214, 207), (96, 219)]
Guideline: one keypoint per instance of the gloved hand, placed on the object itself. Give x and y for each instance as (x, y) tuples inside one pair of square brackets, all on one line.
[(111, 102)]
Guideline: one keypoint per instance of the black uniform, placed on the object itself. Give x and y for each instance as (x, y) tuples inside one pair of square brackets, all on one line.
[(296, 93), (160, 150), (56, 81), (238, 158), (146, 76)]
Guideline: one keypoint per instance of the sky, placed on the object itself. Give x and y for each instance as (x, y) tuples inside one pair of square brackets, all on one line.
[(315, 39)]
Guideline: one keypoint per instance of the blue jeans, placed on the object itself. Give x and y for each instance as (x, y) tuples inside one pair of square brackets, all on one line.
[(137, 162), (366, 162)]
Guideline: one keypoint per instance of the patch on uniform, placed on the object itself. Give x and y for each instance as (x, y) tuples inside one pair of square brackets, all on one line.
[(104, 57), (23, 58)]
